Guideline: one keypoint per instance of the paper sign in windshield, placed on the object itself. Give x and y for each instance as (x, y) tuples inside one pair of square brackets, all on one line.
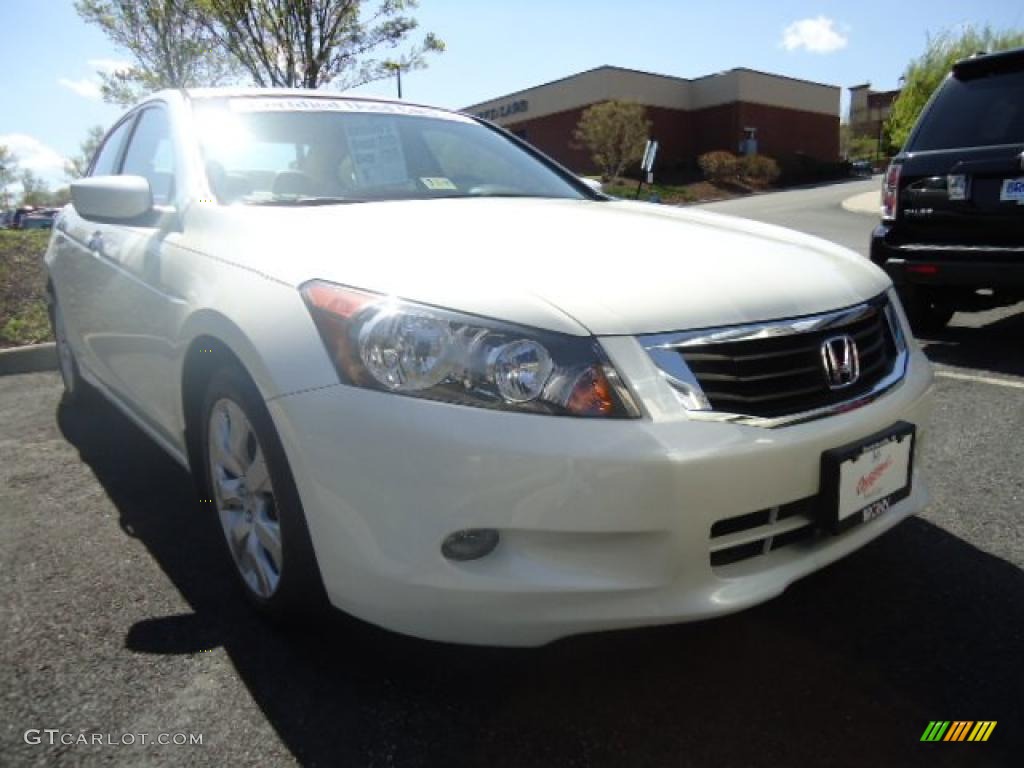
[(376, 151)]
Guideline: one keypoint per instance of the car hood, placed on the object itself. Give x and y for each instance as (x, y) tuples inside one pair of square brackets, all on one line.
[(575, 266)]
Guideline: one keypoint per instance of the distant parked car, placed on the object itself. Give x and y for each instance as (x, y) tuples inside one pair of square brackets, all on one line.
[(861, 168), (6, 217), (19, 214), (952, 231), (38, 220)]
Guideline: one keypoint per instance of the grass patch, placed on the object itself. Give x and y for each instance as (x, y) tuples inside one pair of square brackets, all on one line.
[(23, 317)]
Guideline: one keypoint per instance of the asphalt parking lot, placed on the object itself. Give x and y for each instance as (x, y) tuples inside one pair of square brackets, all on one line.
[(119, 615)]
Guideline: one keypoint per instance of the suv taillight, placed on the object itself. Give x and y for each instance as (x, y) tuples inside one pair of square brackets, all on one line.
[(891, 192)]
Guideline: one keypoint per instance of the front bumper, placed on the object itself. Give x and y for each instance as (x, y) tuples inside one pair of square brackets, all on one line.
[(947, 265), (604, 524)]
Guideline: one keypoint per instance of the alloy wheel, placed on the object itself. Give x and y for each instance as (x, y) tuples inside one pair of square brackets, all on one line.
[(65, 358), (244, 497)]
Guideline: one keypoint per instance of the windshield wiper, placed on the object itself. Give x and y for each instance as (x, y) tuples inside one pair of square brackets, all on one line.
[(305, 200)]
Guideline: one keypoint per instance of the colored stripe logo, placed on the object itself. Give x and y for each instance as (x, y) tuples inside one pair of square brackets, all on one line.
[(958, 730)]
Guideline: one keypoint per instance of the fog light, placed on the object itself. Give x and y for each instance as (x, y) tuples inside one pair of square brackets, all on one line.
[(471, 544)]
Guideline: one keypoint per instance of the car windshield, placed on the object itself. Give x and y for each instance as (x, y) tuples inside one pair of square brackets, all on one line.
[(987, 111), (312, 151)]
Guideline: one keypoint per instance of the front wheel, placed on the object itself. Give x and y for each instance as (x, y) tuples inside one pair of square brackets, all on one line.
[(66, 363), (250, 485)]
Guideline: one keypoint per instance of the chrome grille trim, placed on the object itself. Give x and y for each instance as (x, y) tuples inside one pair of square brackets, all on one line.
[(666, 351), (758, 331)]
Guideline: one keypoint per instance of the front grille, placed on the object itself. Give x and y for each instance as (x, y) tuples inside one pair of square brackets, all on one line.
[(757, 533), (784, 374)]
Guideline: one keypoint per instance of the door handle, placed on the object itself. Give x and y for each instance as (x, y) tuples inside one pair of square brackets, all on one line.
[(95, 244)]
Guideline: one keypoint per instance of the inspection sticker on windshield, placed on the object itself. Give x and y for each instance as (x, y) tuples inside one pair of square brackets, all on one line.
[(1013, 189), (437, 182)]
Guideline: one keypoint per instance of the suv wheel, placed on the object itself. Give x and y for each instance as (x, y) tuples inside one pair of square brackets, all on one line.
[(925, 313)]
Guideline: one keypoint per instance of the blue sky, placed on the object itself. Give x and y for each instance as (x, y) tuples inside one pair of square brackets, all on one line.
[(48, 56)]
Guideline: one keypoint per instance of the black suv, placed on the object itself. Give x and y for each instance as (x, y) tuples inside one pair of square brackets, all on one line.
[(952, 231)]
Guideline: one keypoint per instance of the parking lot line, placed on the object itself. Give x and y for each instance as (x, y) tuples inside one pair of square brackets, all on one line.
[(981, 379)]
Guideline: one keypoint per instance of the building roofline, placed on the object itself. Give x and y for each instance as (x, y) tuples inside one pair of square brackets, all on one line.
[(513, 94)]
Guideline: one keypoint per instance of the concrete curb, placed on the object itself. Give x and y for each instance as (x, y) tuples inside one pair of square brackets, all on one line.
[(867, 203), (29, 359)]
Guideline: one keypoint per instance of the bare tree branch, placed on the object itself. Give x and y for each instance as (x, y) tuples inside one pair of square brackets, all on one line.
[(313, 43)]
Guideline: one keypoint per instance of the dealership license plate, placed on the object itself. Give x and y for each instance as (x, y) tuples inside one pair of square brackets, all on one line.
[(1012, 189), (862, 480)]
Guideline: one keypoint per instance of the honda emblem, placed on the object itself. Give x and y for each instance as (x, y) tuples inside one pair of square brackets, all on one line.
[(841, 361)]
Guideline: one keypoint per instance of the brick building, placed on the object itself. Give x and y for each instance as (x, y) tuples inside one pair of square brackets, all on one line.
[(737, 110), (869, 109)]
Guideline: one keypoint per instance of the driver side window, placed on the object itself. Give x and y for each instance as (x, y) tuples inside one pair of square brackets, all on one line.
[(151, 155), (105, 162)]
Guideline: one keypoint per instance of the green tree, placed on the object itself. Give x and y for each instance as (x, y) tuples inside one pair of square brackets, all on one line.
[(60, 197), (864, 148), (615, 133), (168, 43), (312, 43), (34, 189), (8, 173), (77, 166), (925, 73)]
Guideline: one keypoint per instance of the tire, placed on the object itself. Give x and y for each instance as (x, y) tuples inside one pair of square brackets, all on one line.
[(926, 315), (74, 385), (246, 477)]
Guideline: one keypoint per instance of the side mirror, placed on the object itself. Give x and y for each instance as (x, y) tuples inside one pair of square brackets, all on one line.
[(117, 198), (594, 184)]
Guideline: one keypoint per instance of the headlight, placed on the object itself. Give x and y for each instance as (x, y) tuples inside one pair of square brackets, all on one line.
[(383, 343)]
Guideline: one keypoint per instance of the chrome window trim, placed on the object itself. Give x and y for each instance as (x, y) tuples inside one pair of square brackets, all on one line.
[(665, 349), (928, 247)]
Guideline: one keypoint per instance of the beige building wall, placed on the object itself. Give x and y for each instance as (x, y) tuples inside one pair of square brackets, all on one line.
[(591, 87), (606, 83), (776, 91), (859, 105)]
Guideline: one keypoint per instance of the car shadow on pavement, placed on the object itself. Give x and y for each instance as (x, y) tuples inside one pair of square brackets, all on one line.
[(996, 346), (847, 668)]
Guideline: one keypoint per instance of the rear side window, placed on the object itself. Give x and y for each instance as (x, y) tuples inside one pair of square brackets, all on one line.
[(986, 111), (105, 163), (151, 155)]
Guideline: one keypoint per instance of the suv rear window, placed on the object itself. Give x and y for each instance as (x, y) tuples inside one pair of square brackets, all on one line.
[(981, 112)]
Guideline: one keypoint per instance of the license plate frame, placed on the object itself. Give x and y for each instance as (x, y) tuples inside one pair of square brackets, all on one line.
[(887, 445)]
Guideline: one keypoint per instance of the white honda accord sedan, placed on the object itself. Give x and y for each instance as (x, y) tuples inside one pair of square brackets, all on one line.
[(424, 374)]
